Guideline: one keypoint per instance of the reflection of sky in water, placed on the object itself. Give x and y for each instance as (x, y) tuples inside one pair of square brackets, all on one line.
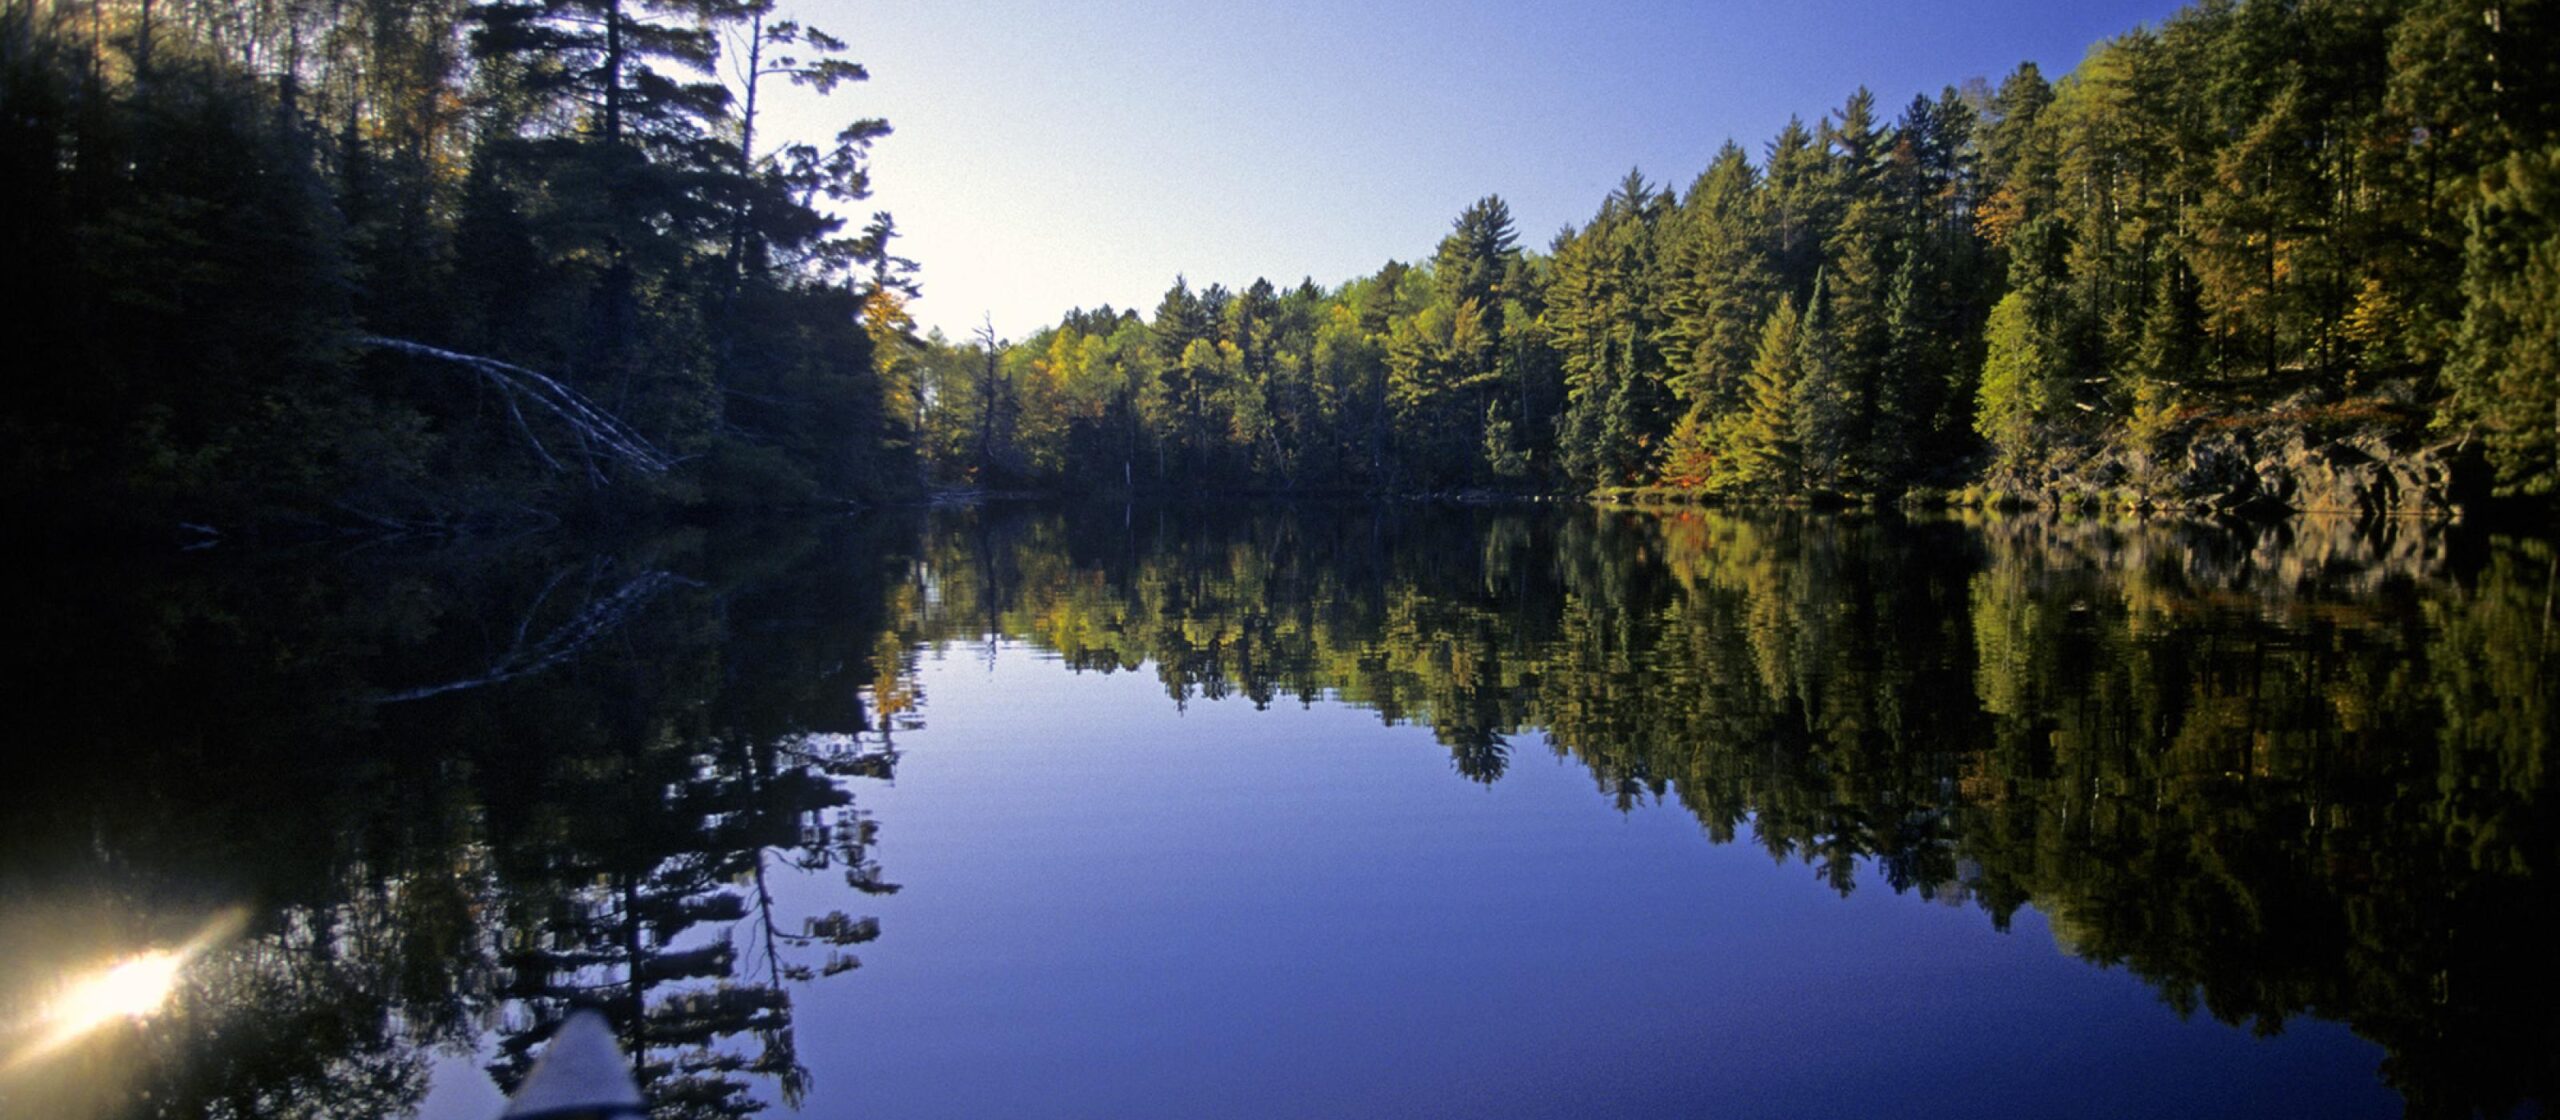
[(2207, 754), (1115, 908)]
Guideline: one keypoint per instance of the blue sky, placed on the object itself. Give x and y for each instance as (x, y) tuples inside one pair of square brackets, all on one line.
[(1049, 156)]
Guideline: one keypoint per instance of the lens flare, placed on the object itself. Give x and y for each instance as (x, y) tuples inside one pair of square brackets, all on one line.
[(132, 988)]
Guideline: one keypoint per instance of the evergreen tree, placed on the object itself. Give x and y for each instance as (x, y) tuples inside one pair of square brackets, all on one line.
[(1764, 455), (2019, 372), (2505, 369), (1719, 288), (2017, 159), (1918, 368), (1179, 321), (619, 186), (1475, 258), (1863, 252), (1800, 209), (1605, 315), (1823, 401), (2167, 358)]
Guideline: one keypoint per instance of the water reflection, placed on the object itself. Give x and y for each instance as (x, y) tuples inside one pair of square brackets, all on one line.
[(2280, 772), (2275, 772), (456, 796)]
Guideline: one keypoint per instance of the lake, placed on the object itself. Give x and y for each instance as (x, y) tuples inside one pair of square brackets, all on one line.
[(1299, 811)]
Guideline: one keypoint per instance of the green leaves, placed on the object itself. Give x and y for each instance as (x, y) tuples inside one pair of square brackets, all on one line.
[(2505, 368), (2017, 393)]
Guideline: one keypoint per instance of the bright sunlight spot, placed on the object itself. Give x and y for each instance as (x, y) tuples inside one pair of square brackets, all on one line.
[(132, 988)]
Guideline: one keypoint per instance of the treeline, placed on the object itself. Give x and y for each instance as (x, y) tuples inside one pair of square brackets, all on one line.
[(2327, 213), (425, 262)]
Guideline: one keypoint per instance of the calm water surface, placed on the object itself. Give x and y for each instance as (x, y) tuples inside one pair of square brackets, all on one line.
[(1326, 811)]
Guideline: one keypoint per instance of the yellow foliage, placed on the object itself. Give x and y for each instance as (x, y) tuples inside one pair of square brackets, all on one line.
[(2000, 215)]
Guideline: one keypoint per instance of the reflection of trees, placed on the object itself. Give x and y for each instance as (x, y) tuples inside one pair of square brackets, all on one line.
[(668, 778), (1378, 608), (210, 747), (602, 827), (2270, 796), (2294, 771), (2284, 771)]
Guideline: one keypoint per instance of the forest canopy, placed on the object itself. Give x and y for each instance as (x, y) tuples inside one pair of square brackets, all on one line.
[(398, 265), (2332, 217), (422, 264)]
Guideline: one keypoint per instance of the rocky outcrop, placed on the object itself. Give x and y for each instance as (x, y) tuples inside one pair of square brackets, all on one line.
[(2360, 474), (2360, 457), (2283, 466)]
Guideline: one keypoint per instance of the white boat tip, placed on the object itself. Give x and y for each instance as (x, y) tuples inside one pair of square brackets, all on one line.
[(581, 1073)]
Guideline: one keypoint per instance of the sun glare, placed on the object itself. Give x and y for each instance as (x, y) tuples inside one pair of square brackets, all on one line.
[(130, 989), (133, 988)]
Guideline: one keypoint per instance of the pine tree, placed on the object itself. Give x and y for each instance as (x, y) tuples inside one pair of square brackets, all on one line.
[(1606, 316), (1917, 368), (1762, 450), (1474, 258), (2505, 369), (1718, 289), (1692, 454), (1800, 208), (1863, 252), (2167, 357), (2018, 169), (1824, 402)]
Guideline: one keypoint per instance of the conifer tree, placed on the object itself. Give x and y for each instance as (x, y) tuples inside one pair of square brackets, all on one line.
[(2167, 357), (1800, 208), (1718, 287), (1762, 450), (2018, 393), (1824, 402), (1918, 365), (1862, 254), (1606, 317), (1476, 256), (2505, 370)]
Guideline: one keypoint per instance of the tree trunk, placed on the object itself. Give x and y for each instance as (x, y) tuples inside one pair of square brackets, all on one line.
[(613, 74)]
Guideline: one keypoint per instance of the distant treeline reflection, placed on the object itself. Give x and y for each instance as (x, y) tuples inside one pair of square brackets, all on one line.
[(2301, 770), (2292, 770)]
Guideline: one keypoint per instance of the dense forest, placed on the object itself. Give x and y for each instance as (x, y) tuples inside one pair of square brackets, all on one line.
[(2315, 244), (401, 264), (397, 265)]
